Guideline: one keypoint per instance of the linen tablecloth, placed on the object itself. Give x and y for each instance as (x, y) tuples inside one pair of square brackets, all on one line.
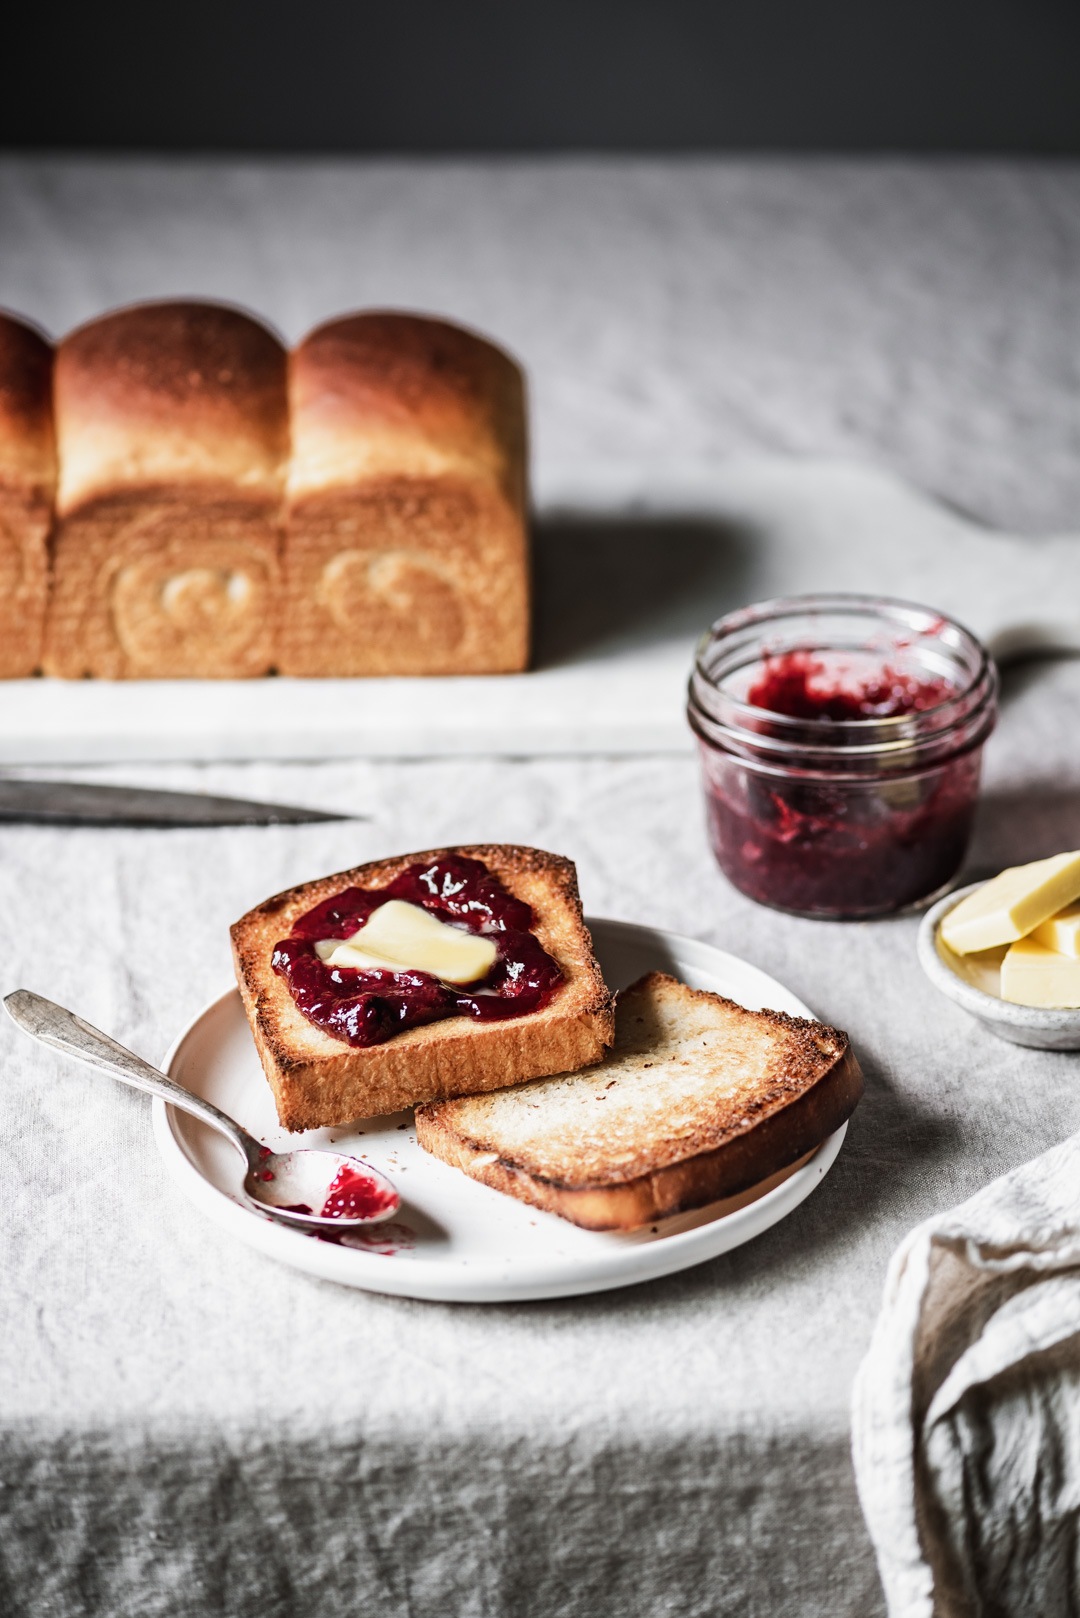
[(187, 1429)]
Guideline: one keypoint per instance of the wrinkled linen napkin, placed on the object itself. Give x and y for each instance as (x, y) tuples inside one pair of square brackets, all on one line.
[(966, 1420)]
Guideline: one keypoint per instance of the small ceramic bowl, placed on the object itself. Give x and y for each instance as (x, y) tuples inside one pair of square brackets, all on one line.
[(971, 981)]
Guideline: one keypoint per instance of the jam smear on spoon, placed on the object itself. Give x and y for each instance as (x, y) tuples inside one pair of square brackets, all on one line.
[(356, 1195)]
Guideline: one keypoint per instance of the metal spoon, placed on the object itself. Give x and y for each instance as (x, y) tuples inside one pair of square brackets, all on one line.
[(275, 1182)]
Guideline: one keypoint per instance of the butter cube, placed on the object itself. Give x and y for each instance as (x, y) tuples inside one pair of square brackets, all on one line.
[(1032, 975), (1012, 904), (1061, 932)]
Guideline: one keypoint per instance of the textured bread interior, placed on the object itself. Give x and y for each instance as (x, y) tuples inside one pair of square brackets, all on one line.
[(165, 586), (172, 431), (406, 540), (317, 1079), (27, 488), (697, 1099), (420, 576)]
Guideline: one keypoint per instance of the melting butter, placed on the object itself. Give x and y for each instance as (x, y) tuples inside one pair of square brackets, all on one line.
[(401, 937)]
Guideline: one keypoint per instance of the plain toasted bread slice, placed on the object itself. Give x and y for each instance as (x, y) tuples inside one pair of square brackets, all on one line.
[(318, 1080), (698, 1100)]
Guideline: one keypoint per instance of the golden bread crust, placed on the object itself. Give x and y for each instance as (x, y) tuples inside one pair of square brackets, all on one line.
[(27, 487), (27, 439), (385, 394), (180, 395), (172, 431), (772, 1089), (318, 1080), (406, 539)]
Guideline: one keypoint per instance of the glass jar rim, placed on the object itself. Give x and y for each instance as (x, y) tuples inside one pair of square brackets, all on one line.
[(965, 714), (903, 614)]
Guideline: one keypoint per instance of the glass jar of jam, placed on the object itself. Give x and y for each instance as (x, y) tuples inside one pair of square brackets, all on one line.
[(841, 741)]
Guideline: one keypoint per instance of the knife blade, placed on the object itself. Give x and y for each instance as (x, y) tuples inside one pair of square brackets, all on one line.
[(77, 803)]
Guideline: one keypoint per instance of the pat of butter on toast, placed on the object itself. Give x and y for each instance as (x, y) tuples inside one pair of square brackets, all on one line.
[(319, 1081), (402, 935)]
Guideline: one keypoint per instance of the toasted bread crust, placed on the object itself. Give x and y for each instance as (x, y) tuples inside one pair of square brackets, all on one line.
[(816, 1086), (318, 1080)]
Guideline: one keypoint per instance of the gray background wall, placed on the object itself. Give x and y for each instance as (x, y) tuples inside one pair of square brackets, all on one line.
[(533, 75)]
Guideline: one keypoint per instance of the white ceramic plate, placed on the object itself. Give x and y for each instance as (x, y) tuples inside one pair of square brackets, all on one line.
[(455, 1239)]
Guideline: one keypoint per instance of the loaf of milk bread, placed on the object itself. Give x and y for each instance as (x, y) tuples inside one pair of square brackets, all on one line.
[(405, 537), (27, 488), (172, 433)]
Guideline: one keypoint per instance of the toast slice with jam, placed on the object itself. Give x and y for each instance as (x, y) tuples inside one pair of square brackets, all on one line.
[(455, 1038)]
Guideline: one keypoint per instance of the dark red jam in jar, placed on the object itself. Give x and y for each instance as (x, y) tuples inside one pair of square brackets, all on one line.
[(841, 742), (366, 1007)]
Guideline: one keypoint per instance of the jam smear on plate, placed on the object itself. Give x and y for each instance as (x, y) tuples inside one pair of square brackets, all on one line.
[(367, 1006)]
